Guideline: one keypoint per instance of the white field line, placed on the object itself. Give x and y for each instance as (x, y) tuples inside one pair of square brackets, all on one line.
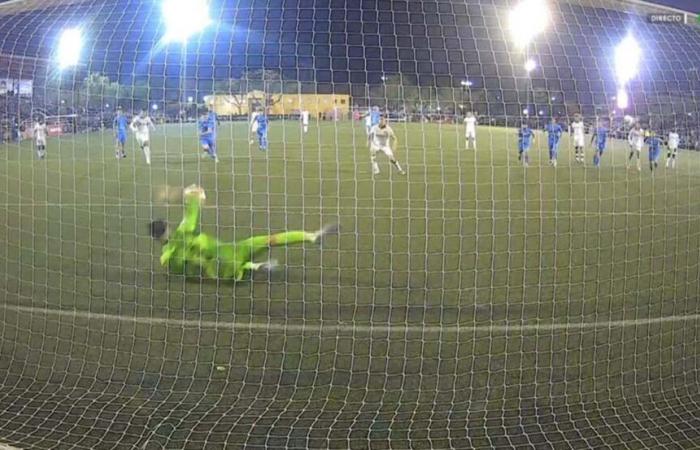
[(330, 327)]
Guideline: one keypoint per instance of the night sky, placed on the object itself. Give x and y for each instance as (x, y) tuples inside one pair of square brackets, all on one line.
[(685, 5), (347, 45)]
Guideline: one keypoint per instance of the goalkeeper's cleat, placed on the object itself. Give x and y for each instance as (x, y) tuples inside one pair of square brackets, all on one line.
[(328, 230), (402, 172), (267, 266)]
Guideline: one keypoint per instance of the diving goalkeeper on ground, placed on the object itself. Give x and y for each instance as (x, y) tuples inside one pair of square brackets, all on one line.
[(189, 252)]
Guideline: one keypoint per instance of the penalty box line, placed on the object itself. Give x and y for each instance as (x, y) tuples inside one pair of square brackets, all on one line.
[(341, 328)]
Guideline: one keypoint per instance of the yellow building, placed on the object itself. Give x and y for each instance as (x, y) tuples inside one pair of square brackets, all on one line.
[(331, 105)]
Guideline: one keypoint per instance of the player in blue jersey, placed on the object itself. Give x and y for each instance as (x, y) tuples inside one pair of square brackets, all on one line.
[(375, 116), (207, 135), (654, 150), (600, 137), (554, 132), (525, 139), (263, 125), (120, 126)]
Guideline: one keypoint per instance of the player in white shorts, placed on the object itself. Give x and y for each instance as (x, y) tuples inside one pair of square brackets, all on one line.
[(142, 125), (253, 126), (636, 140), (578, 130), (673, 141), (470, 131), (40, 132), (305, 121), (380, 137)]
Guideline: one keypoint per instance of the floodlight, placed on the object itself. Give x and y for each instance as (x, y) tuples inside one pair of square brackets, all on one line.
[(467, 83), (622, 99), (69, 46), (527, 20), (183, 18), (627, 56), (530, 65)]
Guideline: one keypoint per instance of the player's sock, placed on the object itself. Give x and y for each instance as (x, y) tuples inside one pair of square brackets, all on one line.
[(147, 154), (375, 166), (398, 166)]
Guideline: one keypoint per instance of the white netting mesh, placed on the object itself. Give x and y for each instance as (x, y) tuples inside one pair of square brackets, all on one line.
[(472, 303)]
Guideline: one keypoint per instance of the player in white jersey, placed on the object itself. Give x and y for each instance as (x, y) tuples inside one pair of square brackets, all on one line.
[(673, 141), (142, 125), (470, 131), (253, 126), (368, 123), (578, 130), (305, 121), (380, 137), (40, 132), (636, 140)]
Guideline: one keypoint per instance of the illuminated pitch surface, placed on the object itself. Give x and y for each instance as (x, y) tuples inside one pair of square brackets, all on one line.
[(439, 315)]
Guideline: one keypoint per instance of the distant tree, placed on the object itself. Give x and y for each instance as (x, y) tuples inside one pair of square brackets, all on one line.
[(267, 81), (233, 92)]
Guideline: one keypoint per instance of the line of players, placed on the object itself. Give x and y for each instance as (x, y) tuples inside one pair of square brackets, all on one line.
[(636, 139), (141, 126), (380, 136)]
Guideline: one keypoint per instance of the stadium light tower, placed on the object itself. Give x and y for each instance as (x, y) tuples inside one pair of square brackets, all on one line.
[(627, 57), (466, 85), (183, 18), (70, 45), (622, 98), (528, 19)]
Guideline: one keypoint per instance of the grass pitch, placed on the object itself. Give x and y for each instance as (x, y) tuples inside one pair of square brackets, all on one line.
[(471, 303)]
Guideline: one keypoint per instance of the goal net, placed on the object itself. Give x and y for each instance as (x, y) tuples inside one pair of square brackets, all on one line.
[(532, 284)]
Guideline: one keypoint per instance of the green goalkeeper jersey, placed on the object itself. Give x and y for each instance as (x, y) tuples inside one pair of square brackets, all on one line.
[(192, 253)]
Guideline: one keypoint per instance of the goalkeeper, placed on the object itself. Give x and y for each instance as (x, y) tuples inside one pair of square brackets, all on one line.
[(189, 252)]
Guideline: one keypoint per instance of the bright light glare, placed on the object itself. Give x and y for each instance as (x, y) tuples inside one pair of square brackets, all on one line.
[(530, 65), (154, 107), (627, 56), (528, 19), (622, 99), (69, 46), (467, 83), (184, 18)]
